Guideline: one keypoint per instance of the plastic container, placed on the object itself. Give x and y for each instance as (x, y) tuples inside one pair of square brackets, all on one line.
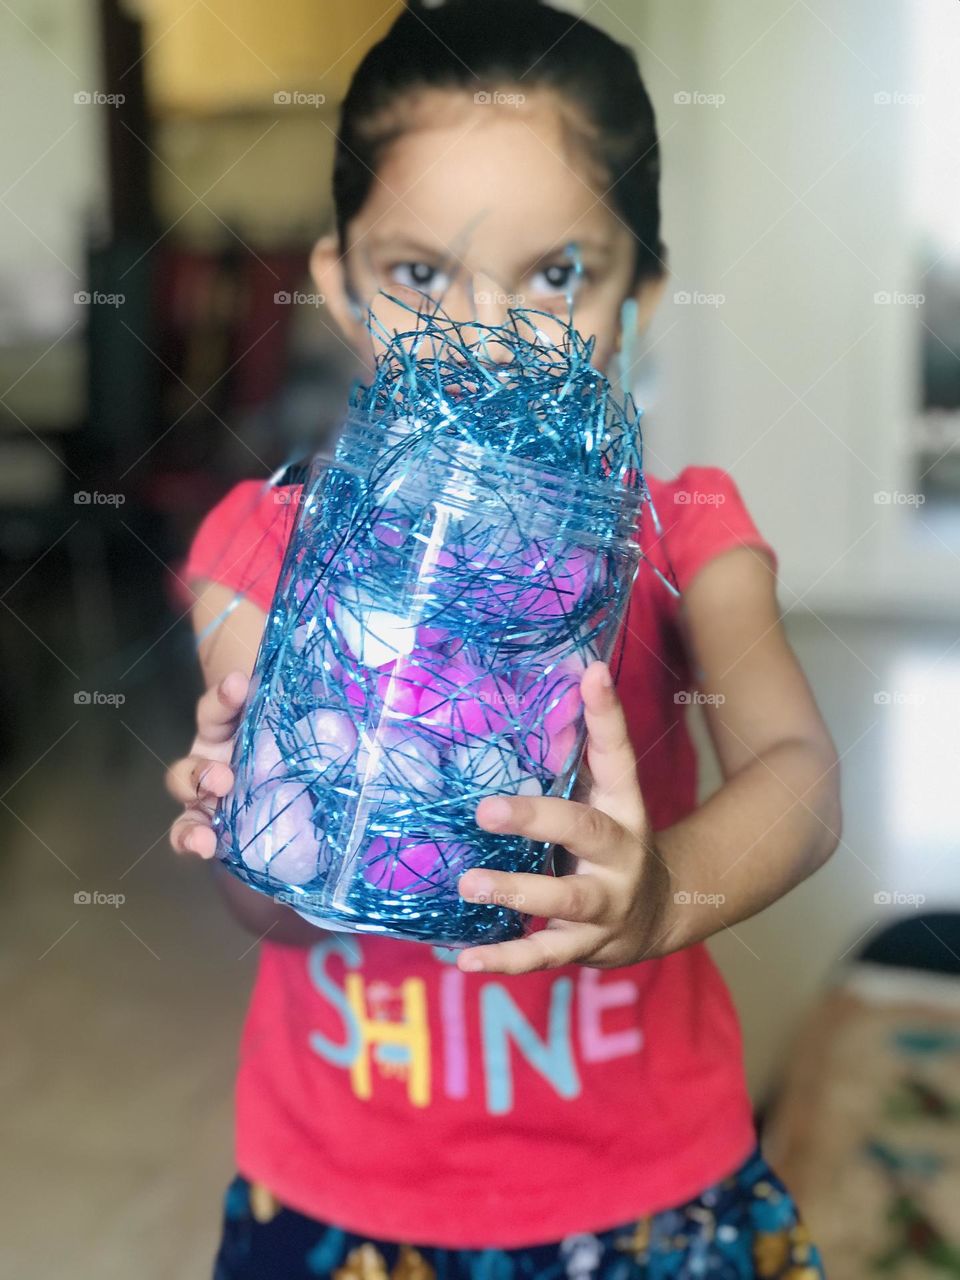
[(437, 605)]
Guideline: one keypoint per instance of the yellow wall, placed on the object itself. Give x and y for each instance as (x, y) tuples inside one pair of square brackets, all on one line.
[(228, 55)]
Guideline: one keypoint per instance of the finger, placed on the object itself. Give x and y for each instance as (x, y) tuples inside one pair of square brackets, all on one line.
[(196, 777), (581, 898), (192, 833), (545, 949), (610, 754), (587, 832), (220, 707)]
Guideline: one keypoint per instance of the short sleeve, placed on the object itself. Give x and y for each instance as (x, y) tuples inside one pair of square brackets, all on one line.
[(241, 542), (702, 514)]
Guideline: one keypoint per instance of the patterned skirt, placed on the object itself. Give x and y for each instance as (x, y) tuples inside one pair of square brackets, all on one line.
[(746, 1225)]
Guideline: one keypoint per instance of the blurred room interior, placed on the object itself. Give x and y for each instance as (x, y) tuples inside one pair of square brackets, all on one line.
[(165, 168)]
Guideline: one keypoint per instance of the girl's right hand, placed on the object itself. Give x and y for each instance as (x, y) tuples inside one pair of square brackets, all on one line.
[(203, 777)]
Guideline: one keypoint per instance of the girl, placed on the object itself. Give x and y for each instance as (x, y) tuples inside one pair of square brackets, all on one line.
[(573, 1102)]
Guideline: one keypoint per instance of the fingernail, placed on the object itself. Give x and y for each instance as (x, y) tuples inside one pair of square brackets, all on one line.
[(496, 809), (472, 964), (606, 679), (479, 886), (202, 776)]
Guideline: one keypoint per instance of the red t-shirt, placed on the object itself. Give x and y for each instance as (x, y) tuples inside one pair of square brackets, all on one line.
[(383, 1090)]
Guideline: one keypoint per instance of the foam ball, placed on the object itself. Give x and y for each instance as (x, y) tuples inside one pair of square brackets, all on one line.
[(550, 701), (494, 769), (551, 752), (323, 738), (374, 636), (464, 701), (398, 766), (267, 760), (406, 864), (276, 835)]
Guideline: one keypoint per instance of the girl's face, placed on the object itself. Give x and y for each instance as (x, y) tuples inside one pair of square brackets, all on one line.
[(476, 203)]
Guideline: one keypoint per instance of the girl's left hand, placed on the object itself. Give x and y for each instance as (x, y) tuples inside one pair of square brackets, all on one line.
[(610, 911)]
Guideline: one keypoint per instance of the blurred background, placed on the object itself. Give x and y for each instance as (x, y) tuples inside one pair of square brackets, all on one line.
[(164, 170)]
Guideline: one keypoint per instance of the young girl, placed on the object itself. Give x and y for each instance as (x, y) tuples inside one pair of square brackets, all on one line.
[(571, 1103)]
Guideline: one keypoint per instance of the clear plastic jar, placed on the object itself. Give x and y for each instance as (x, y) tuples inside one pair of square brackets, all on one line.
[(437, 605)]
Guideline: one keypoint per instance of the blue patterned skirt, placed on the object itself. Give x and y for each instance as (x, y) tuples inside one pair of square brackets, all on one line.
[(746, 1225)]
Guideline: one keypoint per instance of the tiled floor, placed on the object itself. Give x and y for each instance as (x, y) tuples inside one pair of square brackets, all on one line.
[(122, 1021)]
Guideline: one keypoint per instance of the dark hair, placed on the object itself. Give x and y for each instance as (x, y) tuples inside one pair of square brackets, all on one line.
[(480, 45)]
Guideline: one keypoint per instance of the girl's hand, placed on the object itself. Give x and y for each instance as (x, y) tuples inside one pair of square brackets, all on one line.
[(204, 776), (610, 910)]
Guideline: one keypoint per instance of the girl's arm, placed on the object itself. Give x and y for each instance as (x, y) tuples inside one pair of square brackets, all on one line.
[(232, 647), (777, 816)]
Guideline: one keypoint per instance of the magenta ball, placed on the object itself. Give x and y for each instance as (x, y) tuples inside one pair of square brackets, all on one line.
[(404, 864), (551, 751), (463, 701), (550, 701)]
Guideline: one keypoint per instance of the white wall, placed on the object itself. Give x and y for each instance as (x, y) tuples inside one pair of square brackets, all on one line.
[(790, 198), (51, 185)]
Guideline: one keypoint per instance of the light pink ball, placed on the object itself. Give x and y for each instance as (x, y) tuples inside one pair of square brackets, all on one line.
[(323, 738), (276, 835)]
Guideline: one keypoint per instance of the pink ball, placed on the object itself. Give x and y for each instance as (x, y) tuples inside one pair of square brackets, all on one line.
[(276, 835), (550, 701), (404, 864), (464, 701), (551, 752), (402, 683), (557, 584)]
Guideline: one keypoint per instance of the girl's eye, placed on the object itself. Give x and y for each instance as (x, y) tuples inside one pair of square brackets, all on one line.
[(557, 278), (420, 276)]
